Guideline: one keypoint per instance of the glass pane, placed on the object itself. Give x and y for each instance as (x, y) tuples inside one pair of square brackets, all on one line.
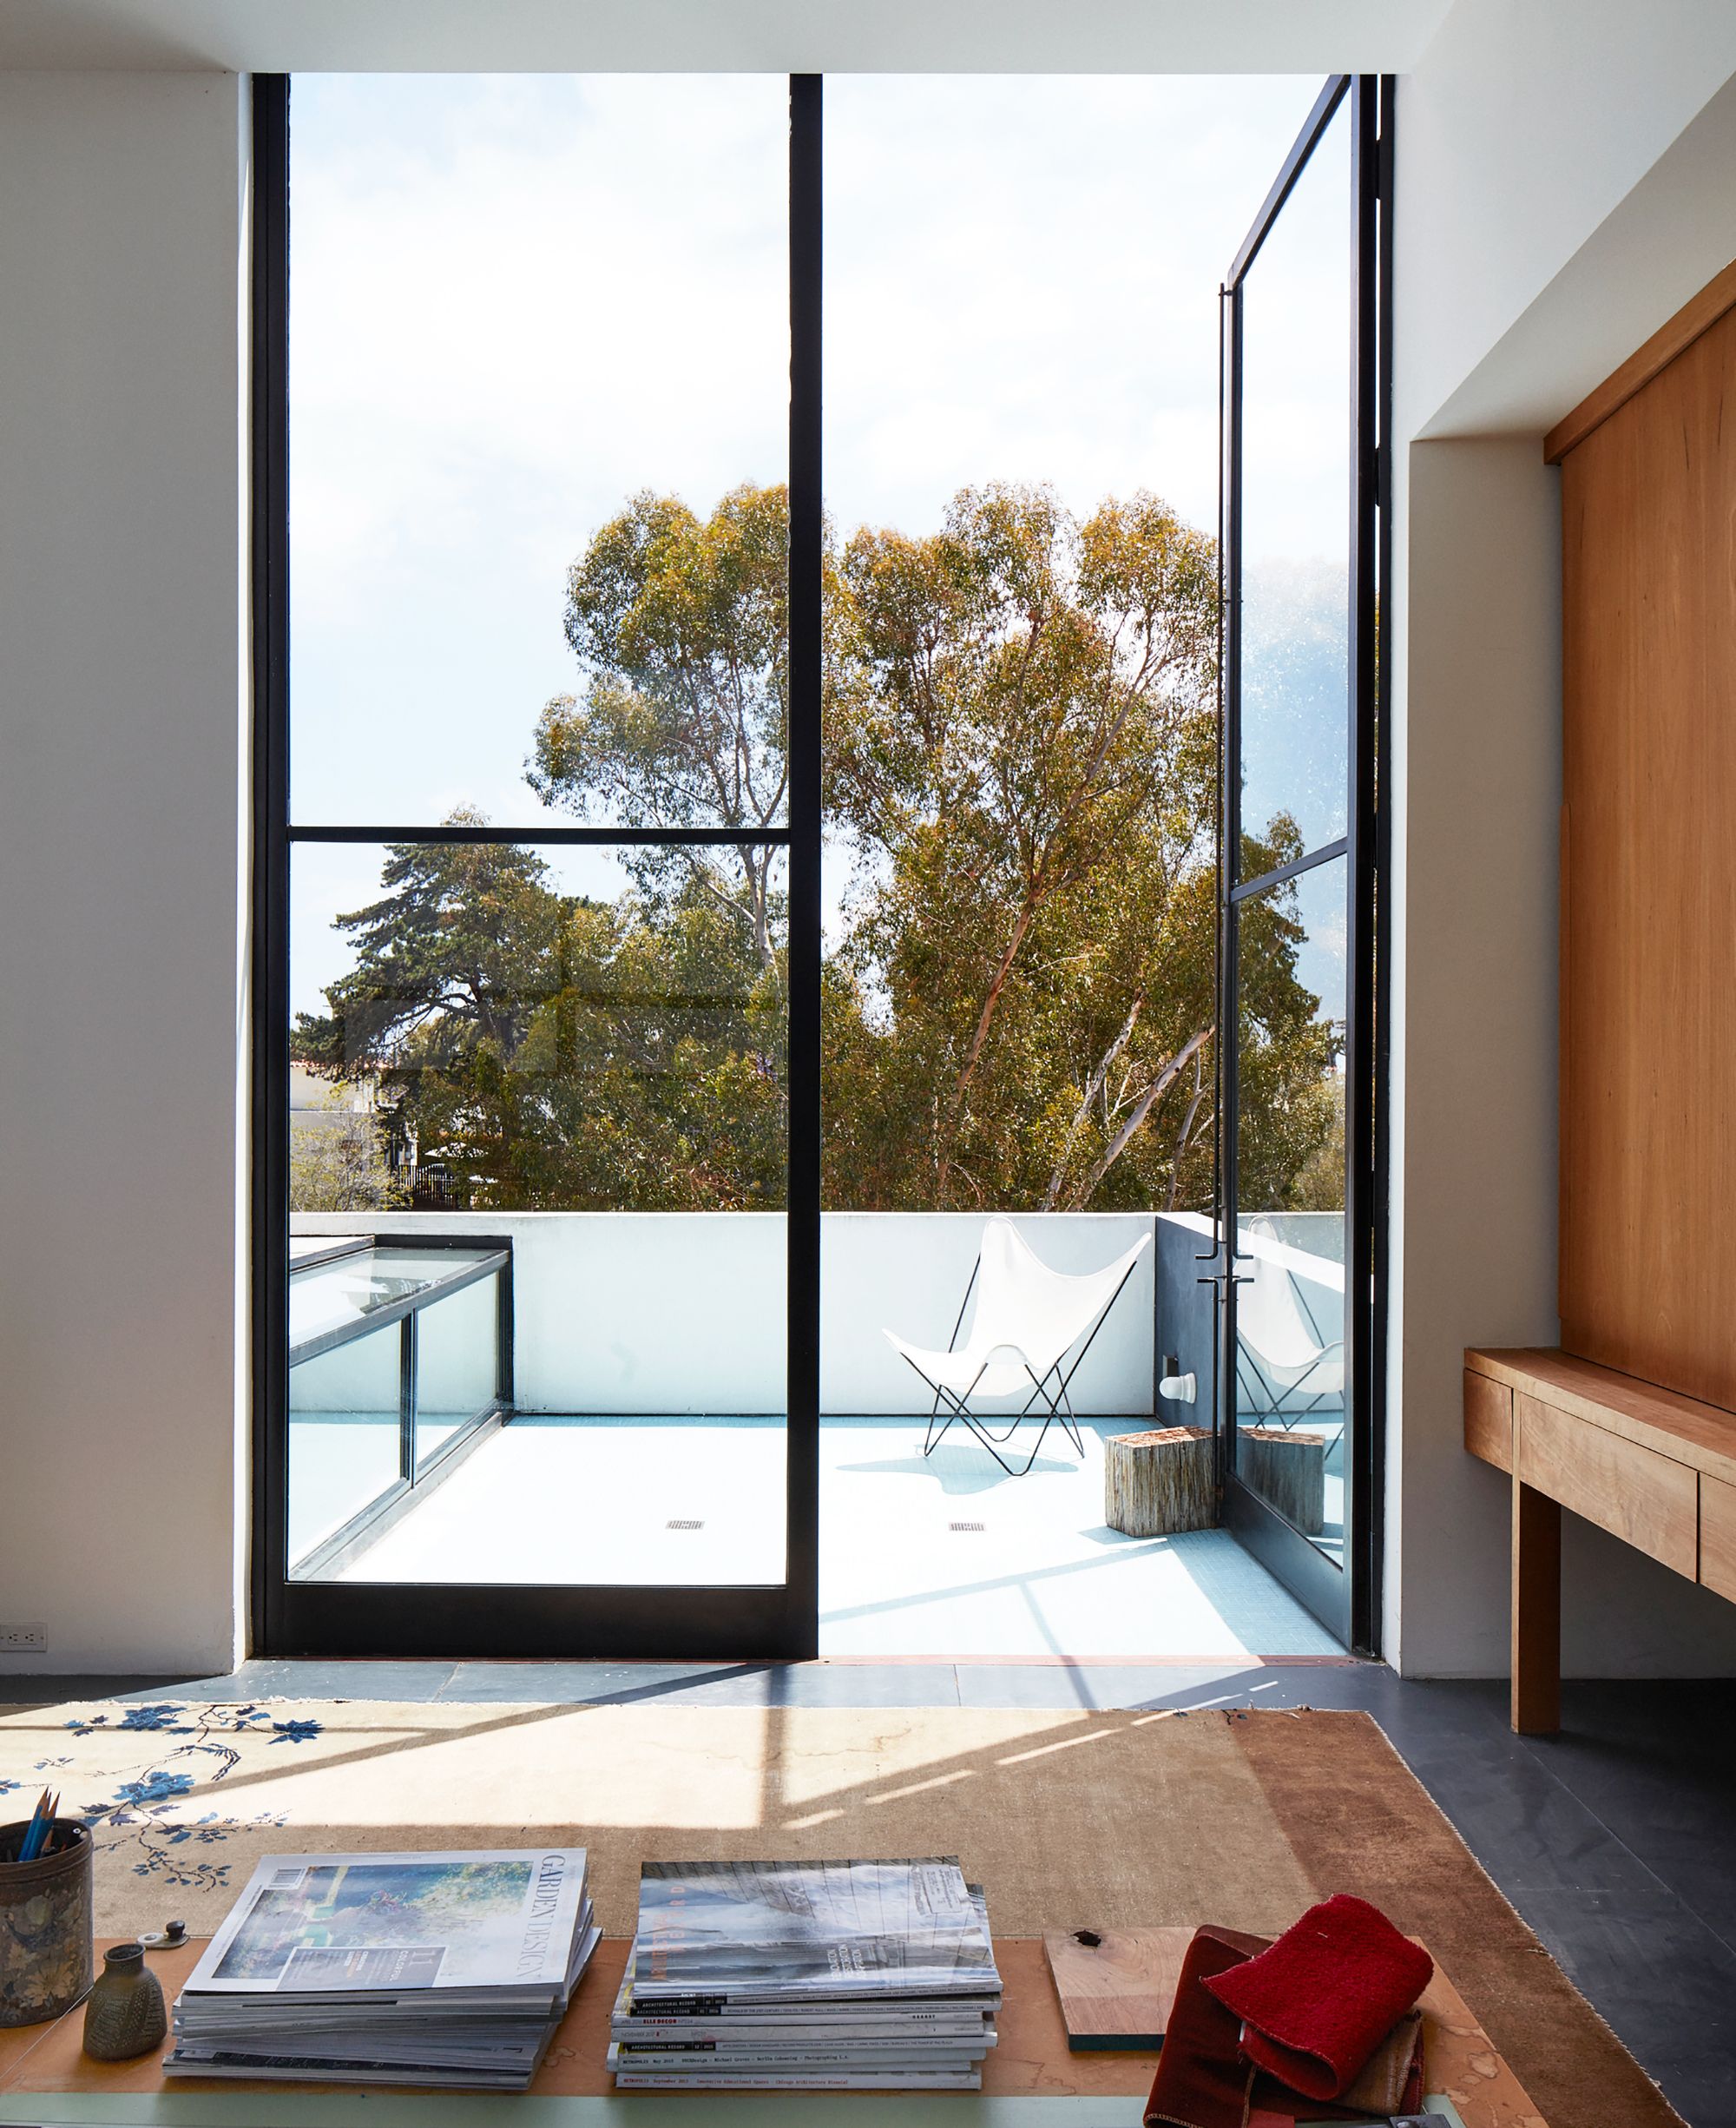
[(539, 364), (1296, 325), (343, 1435), (457, 1358), (583, 1054), (1289, 1185), (328, 1298), (1022, 471)]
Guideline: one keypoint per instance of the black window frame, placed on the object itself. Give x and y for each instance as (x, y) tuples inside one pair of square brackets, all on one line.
[(1348, 1598), (290, 1617), (782, 1622)]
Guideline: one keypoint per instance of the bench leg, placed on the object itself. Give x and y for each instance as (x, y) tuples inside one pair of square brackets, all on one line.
[(1537, 1612)]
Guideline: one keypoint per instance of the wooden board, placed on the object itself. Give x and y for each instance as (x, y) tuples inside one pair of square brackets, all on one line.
[(1489, 1419), (1116, 1994), (1718, 1536), (1633, 1492), (1686, 1431), (1031, 2061), (1647, 1257), (1695, 317)]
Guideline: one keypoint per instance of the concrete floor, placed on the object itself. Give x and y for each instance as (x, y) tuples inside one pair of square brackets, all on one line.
[(943, 1556), (1615, 1840)]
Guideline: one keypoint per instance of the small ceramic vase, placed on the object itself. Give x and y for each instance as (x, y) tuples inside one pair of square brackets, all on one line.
[(123, 2013)]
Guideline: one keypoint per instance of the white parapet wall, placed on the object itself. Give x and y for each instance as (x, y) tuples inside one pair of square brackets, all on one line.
[(683, 1312)]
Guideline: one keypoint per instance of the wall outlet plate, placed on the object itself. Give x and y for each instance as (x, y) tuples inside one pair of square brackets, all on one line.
[(23, 1637)]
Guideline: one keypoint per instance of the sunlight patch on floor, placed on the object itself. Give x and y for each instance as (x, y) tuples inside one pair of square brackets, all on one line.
[(699, 1502)]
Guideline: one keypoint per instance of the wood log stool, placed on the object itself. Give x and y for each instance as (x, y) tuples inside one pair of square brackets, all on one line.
[(1288, 1471), (1156, 1484)]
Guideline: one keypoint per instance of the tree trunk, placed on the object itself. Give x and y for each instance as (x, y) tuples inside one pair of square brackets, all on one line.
[(1157, 1483)]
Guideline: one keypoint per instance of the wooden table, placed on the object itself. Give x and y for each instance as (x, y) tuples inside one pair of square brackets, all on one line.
[(1031, 2080), (1653, 1468)]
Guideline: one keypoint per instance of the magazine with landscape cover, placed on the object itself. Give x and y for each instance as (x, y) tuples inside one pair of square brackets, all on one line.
[(730, 1933), (498, 1926), (411, 1968)]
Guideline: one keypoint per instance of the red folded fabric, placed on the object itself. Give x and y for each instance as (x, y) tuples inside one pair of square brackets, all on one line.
[(1316, 2006), (1202, 2080)]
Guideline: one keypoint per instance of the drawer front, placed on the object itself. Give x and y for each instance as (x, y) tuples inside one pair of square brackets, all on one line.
[(1489, 1419), (1717, 1535), (1635, 1494)]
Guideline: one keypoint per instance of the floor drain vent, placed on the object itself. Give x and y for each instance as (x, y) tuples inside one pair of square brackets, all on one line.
[(684, 1525), (967, 1526)]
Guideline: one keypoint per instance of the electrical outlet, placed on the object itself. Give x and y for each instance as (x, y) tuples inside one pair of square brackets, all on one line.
[(24, 1636)]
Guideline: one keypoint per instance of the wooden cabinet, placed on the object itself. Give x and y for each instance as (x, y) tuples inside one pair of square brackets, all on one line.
[(1635, 1493), (1489, 1419), (1633, 1424), (1718, 1536), (1648, 863), (1656, 1469)]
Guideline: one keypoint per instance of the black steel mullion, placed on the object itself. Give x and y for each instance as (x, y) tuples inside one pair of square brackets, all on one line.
[(268, 387), (1250, 890), (436, 834), (1358, 1296), (1370, 871), (406, 1397), (1326, 108), (805, 591), (1229, 862)]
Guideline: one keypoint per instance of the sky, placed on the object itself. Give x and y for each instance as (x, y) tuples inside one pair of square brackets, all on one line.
[(515, 302)]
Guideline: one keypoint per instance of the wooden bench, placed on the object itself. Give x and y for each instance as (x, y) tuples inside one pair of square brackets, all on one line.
[(1030, 2077), (1653, 1468)]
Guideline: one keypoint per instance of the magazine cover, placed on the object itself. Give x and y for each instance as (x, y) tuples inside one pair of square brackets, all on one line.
[(722, 1927), (492, 1918)]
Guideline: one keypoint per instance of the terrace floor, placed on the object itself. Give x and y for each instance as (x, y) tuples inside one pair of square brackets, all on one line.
[(942, 1557)]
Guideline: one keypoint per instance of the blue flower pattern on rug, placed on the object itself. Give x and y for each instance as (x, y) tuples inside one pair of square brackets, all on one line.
[(144, 1813)]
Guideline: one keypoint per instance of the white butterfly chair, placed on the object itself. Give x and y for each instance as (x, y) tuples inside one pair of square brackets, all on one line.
[(1288, 1369), (1028, 1320)]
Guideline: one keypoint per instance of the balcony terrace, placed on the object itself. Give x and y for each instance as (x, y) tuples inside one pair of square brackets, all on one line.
[(635, 1433)]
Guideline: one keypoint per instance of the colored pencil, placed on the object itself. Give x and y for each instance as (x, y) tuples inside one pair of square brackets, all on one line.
[(37, 1833)]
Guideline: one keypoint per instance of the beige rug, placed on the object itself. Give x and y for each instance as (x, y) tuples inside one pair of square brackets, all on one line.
[(1069, 1820)]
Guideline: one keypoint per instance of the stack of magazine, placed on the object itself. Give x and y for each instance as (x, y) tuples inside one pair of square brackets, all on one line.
[(449, 1969), (806, 1976)]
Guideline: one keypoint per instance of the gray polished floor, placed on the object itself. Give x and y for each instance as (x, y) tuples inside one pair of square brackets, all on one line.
[(1615, 1840)]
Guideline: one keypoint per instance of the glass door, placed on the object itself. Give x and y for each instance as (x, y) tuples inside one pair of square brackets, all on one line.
[(536, 1192), (1299, 1213)]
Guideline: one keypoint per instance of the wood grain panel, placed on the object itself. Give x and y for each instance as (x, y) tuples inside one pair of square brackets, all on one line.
[(1695, 317), (1489, 1419), (1677, 1426), (1718, 1536), (1648, 1116), (1635, 1494)]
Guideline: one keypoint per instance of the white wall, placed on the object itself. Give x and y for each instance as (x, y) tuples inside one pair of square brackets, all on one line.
[(675, 1312), (121, 1257), (1538, 148)]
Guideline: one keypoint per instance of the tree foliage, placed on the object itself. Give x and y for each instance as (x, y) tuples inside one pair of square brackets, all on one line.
[(1018, 994)]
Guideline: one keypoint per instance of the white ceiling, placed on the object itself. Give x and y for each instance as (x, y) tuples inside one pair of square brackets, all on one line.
[(1072, 37)]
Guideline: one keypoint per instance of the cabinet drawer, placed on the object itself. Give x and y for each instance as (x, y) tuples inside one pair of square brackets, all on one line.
[(1635, 1494), (1717, 1535), (1489, 1419)]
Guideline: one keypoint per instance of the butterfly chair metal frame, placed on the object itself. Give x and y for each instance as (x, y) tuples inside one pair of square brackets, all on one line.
[(1056, 1404), (1259, 1375)]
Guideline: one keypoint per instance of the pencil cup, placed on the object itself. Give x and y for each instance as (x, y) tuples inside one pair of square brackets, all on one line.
[(45, 1925)]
